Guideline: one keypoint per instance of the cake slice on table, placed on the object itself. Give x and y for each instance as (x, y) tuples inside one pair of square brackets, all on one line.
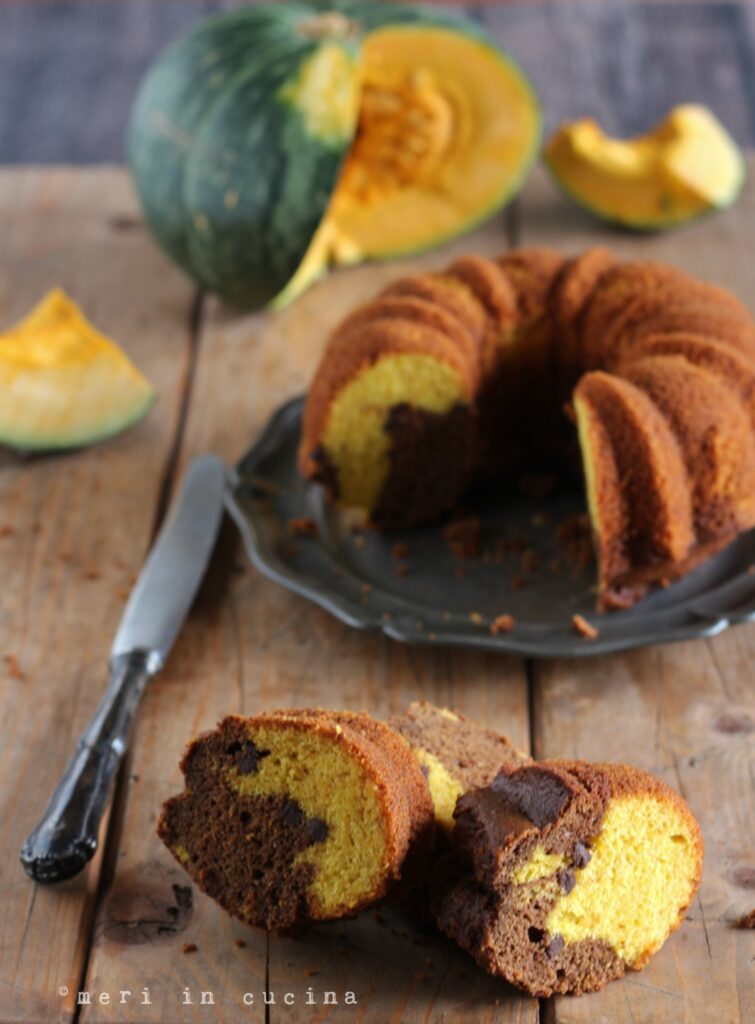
[(299, 815), (456, 754), (568, 874)]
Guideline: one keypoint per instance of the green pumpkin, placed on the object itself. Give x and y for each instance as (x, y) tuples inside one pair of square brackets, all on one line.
[(240, 130)]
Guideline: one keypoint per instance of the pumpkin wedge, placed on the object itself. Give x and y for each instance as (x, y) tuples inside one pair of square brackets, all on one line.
[(62, 383), (686, 166), (274, 141)]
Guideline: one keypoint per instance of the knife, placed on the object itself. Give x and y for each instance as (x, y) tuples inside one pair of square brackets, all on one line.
[(66, 837)]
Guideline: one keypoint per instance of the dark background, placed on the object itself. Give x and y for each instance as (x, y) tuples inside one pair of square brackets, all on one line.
[(69, 69)]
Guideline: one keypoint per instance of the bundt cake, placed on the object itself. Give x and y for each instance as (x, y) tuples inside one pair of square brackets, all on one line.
[(299, 815), (456, 753), (445, 379), (567, 874)]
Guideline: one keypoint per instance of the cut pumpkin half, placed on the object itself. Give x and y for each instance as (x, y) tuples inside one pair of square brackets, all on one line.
[(278, 140), (62, 383)]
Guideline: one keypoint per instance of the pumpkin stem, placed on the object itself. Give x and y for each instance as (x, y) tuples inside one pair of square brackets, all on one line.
[(328, 25)]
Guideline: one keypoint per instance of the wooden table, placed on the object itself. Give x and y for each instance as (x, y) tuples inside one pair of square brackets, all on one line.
[(73, 533)]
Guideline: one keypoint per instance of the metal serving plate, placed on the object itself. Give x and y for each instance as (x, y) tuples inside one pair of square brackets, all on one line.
[(353, 574)]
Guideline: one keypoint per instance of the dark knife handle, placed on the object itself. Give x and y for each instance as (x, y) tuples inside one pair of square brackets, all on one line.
[(66, 837)]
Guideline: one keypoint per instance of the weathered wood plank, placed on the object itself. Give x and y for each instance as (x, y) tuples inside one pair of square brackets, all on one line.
[(257, 646), (686, 712), (75, 528)]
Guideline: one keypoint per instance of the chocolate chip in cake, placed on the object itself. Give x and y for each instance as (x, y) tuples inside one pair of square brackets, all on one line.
[(581, 855), (317, 830), (555, 946), (246, 755), (535, 934), (566, 880), (292, 814), (538, 795)]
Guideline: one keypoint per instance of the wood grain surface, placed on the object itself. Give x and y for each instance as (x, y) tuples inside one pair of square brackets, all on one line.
[(74, 531)]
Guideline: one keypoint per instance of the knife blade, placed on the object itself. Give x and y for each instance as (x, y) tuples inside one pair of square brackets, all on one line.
[(66, 837)]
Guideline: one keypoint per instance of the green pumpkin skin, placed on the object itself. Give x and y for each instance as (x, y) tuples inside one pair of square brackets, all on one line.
[(232, 182)]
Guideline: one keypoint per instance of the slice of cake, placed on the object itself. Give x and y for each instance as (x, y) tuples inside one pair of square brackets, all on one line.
[(568, 873), (299, 815), (456, 753)]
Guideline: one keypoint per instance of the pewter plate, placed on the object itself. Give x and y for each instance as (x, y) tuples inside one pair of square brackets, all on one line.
[(446, 600)]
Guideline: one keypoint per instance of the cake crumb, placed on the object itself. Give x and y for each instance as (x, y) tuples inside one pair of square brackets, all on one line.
[(189, 947), (477, 618), (303, 526), (241, 943), (746, 920), (464, 537), (502, 624), (584, 628), (14, 669), (530, 561), (400, 551)]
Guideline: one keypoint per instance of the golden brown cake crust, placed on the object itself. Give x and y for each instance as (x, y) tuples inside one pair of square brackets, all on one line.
[(242, 849)]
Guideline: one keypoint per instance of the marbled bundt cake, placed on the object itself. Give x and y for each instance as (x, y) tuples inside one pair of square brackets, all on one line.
[(446, 378), (567, 874), (299, 815), (456, 753)]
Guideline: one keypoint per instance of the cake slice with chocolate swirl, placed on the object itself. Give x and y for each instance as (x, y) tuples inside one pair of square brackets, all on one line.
[(568, 874)]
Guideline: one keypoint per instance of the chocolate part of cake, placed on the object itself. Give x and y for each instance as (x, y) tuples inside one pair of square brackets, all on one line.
[(270, 830), (432, 458)]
